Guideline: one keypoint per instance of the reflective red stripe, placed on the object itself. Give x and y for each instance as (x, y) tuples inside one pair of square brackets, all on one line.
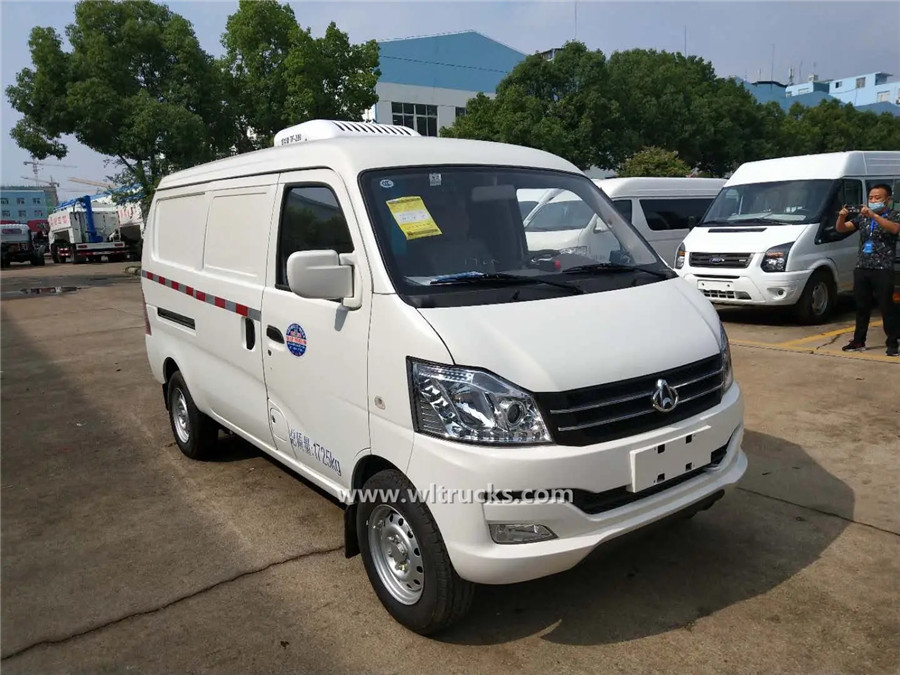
[(243, 310)]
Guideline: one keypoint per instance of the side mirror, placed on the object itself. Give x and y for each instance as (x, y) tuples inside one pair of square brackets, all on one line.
[(319, 274)]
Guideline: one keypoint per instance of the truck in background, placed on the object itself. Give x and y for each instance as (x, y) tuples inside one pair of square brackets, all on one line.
[(81, 232), (19, 244)]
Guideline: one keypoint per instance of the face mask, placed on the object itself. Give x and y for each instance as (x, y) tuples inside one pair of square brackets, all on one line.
[(876, 206)]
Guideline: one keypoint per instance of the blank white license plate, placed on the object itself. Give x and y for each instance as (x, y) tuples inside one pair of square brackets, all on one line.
[(708, 285), (663, 462)]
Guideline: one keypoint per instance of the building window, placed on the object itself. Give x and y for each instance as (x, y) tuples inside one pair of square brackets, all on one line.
[(4, 201), (23, 214), (838, 84), (460, 112), (35, 200), (20, 200), (417, 116), (860, 82), (38, 212), (883, 96), (5, 213)]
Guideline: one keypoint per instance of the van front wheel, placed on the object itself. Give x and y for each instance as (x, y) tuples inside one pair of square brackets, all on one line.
[(817, 302), (195, 433), (406, 559)]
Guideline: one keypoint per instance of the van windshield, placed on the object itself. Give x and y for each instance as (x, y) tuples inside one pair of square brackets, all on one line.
[(790, 202), (454, 229)]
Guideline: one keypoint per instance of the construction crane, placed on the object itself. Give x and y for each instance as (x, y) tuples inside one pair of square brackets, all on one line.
[(34, 164), (50, 183), (95, 183)]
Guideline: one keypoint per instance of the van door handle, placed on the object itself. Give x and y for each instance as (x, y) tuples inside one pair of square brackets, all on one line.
[(274, 334), (249, 333)]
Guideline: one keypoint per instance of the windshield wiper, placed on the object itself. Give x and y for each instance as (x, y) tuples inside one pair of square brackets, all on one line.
[(500, 278), (614, 267)]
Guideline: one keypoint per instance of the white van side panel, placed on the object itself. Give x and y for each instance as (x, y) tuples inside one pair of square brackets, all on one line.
[(179, 232), (397, 330), (206, 318)]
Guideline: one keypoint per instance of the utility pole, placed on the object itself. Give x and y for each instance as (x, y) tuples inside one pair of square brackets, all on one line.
[(685, 41), (772, 78)]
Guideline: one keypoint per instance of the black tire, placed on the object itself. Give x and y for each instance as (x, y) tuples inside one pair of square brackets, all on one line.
[(816, 304), (38, 261), (197, 438), (445, 597), (4, 261), (54, 254), (77, 259)]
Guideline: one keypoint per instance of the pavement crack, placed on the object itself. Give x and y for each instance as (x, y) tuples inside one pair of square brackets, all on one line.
[(171, 603), (819, 511)]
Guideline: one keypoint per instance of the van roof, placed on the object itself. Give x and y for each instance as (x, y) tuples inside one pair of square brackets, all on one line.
[(825, 166), (351, 155), (660, 187)]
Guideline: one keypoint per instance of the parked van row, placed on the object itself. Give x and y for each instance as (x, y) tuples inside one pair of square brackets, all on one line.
[(374, 310), (663, 210)]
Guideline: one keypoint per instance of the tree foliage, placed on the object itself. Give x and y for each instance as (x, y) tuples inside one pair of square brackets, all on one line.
[(654, 161), (279, 75), (136, 86), (598, 111), (559, 106)]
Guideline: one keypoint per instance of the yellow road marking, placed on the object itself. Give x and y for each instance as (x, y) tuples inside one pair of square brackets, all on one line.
[(831, 333)]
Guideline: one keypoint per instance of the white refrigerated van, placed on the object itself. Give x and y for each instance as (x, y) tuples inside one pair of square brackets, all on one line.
[(662, 209), (362, 305), (769, 238)]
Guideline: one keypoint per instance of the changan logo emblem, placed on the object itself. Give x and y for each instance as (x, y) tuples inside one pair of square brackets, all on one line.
[(665, 398)]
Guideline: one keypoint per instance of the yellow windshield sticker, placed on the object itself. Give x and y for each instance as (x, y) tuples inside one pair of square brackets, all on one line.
[(413, 218)]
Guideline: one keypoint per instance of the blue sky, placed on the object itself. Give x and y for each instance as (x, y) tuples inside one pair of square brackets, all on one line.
[(838, 39)]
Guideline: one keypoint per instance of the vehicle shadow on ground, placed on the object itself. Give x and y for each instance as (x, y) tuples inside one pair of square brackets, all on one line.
[(844, 312), (677, 572)]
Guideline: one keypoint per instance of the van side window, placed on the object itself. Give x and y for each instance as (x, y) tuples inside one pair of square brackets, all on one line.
[(674, 214), (849, 193), (623, 206), (311, 220)]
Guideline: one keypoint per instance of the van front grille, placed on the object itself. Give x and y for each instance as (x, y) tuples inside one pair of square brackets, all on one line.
[(620, 409), (732, 260)]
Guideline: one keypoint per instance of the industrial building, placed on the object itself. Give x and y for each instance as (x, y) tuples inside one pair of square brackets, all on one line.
[(426, 81), (872, 92), (21, 203)]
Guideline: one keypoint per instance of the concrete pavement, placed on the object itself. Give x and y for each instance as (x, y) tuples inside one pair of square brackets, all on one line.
[(120, 554)]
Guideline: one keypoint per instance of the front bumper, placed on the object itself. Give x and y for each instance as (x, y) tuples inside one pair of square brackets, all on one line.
[(464, 523), (747, 286)]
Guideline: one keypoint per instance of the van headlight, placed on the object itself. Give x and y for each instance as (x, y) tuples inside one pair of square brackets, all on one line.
[(775, 259), (464, 404), (727, 371), (679, 257)]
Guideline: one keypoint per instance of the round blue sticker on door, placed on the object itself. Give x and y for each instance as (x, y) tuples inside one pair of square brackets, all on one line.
[(296, 339)]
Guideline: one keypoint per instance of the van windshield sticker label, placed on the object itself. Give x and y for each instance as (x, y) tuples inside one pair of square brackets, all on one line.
[(386, 183), (434, 179), (413, 218), (295, 339)]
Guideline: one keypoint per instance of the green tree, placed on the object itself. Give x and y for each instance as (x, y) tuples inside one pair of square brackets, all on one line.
[(833, 126), (654, 161), (135, 86), (677, 103), (279, 75), (560, 106)]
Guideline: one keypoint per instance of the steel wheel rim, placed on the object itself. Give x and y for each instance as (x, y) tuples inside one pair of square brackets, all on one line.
[(820, 298), (396, 554), (181, 419)]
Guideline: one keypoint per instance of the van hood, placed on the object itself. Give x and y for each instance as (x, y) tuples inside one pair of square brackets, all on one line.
[(741, 238), (563, 343)]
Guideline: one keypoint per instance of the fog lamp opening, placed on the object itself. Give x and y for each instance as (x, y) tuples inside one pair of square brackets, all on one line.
[(520, 533)]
